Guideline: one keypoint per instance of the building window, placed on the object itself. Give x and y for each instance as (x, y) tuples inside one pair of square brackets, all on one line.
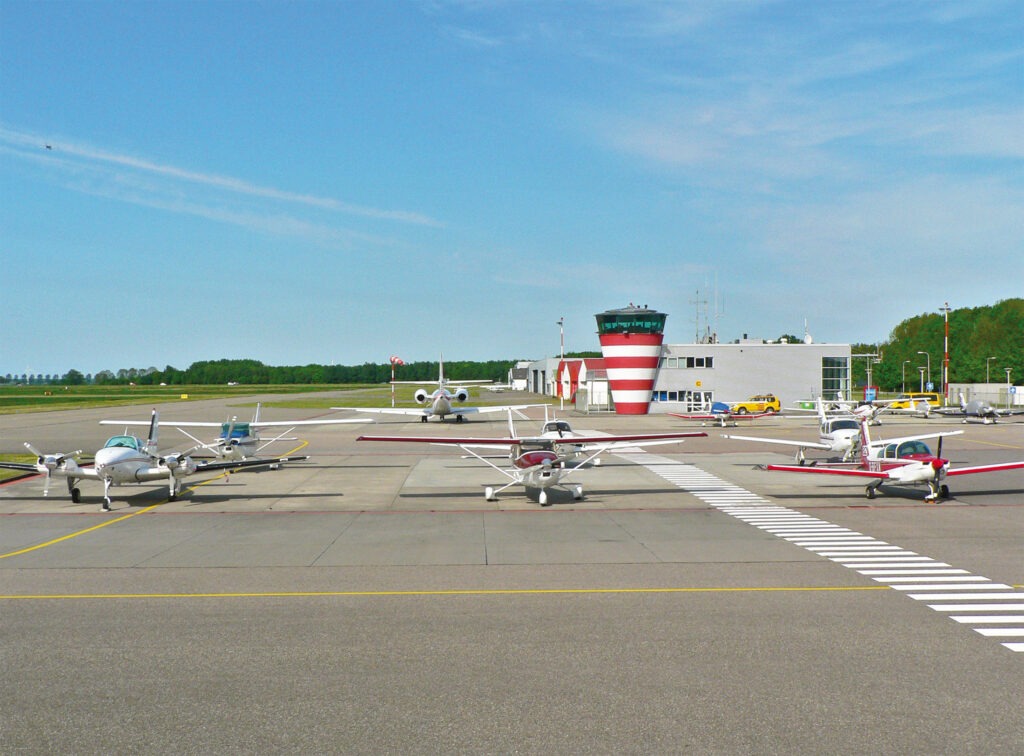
[(835, 376)]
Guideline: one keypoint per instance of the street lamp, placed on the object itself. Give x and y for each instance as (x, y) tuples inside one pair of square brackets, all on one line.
[(945, 357), (921, 371), (929, 357), (561, 342), (987, 360), (903, 376)]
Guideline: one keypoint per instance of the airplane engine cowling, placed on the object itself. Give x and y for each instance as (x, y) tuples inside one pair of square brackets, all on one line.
[(461, 395), (420, 396)]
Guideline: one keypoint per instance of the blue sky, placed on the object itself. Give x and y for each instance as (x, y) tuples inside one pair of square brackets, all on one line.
[(338, 182)]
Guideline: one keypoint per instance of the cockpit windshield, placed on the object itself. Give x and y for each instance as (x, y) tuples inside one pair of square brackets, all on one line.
[(845, 425), (127, 442), (557, 426), (238, 430)]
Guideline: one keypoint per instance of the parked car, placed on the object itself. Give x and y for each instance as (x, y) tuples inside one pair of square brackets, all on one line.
[(758, 404)]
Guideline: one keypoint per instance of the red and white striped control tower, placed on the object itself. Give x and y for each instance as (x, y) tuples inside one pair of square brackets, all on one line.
[(631, 344)]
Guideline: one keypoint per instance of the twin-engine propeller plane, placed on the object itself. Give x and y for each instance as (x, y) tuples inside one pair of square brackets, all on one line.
[(901, 461), (126, 460), (542, 462), (439, 403), (238, 441)]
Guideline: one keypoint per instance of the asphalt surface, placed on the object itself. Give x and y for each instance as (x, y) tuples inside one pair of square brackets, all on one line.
[(371, 601)]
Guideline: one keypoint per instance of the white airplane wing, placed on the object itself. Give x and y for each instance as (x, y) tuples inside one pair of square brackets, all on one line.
[(783, 442)]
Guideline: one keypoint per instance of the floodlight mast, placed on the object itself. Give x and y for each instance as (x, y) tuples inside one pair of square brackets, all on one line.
[(945, 356)]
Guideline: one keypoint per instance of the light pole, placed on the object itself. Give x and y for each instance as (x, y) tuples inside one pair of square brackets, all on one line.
[(987, 361), (929, 357), (945, 356), (561, 343), (903, 376), (1007, 386), (921, 371)]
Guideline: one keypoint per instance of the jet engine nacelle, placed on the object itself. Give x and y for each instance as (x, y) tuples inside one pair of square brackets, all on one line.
[(420, 396), (461, 395)]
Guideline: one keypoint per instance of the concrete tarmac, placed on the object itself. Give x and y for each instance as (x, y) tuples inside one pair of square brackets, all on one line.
[(371, 601)]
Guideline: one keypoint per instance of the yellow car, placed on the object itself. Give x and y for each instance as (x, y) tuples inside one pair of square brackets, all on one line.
[(904, 401), (757, 405)]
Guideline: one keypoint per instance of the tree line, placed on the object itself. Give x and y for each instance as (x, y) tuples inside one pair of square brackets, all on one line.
[(983, 342), (247, 371)]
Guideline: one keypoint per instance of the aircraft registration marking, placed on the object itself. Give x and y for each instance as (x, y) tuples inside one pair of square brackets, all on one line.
[(878, 560)]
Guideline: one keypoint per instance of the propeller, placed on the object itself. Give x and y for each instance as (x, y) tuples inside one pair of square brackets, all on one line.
[(51, 462)]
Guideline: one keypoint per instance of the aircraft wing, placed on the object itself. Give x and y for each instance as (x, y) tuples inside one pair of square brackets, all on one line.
[(23, 466), (621, 442), (488, 408), (783, 442), (388, 410), (163, 423), (922, 437), (824, 470), (999, 466), (448, 440), (211, 466), (294, 423)]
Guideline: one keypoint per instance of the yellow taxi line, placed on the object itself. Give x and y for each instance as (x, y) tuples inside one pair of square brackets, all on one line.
[(453, 592)]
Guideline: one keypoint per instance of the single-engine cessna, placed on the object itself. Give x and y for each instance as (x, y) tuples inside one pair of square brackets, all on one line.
[(126, 460), (237, 441), (542, 462), (440, 402), (900, 461)]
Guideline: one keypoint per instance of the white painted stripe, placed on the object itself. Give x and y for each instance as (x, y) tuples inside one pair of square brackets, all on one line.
[(630, 350), (976, 586), (937, 579), (976, 607), (1001, 632), (853, 561), (987, 619), (1019, 647), (963, 596), (912, 572), (631, 397), (630, 374), (889, 567)]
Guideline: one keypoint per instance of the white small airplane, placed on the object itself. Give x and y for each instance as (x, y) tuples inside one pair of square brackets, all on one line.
[(439, 403), (237, 441), (541, 462), (836, 433), (976, 409), (128, 460), (900, 461)]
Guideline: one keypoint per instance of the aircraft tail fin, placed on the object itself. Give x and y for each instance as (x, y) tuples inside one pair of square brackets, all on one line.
[(511, 426), (865, 442), (256, 414), (154, 429)]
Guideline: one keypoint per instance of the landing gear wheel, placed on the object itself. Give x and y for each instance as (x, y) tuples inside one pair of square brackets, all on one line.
[(543, 498), (458, 418), (943, 491), (76, 495), (489, 494), (870, 492), (577, 493)]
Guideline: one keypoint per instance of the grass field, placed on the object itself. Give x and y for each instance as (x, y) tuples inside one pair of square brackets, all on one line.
[(47, 398)]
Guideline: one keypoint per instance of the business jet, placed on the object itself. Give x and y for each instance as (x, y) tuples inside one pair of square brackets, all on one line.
[(128, 460), (439, 403), (900, 461), (542, 462), (237, 441)]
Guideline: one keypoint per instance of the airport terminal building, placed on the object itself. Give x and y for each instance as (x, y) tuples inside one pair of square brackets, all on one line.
[(691, 376)]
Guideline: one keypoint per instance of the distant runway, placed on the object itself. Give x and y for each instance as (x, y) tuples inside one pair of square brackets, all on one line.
[(371, 600)]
